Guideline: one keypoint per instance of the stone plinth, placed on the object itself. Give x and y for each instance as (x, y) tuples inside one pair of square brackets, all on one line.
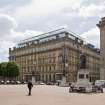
[(63, 82)]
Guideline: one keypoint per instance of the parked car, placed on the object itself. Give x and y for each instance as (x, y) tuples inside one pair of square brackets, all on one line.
[(97, 89), (23, 82), (7, 82), (41, 83), (100, 83), (12, 82), (50, 83), (18, 82), (2, 82)]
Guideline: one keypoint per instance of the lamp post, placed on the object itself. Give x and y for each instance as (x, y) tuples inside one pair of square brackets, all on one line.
[(78, 44), (63, 61), (33, 77), (65, 65)]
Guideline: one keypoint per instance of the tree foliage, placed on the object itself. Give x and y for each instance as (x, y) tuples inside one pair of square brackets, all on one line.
[(12, 69), (3, 71), (9, 69)]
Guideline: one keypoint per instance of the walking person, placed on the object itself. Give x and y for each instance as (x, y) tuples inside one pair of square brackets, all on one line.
[(30, 85)]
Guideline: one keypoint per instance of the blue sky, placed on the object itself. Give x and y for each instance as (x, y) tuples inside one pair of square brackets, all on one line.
[(20, 19)]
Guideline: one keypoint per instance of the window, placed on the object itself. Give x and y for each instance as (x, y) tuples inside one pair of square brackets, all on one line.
[(49, 68), (81, 76), (87, 76)]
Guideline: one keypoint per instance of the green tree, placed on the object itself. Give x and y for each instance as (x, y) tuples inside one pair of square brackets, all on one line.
[(3, 70), (0, 70), (12, 70)]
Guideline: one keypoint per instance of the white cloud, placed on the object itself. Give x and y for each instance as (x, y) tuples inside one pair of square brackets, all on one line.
[(9, 36), (92, 36), (7, 29), (4, 49), (38, 8), (7, 24), (92, 10), (18, 36)]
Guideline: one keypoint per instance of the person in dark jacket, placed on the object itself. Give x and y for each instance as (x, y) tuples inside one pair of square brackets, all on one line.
[(30, 85)]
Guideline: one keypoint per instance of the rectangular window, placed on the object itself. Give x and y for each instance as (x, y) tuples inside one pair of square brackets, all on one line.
[(81, 76), (87, 76)]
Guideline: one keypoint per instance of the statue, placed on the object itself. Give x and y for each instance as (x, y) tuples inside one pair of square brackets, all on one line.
[(82, 61)]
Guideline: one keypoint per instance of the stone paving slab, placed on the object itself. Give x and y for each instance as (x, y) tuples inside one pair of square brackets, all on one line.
[(46, 95)]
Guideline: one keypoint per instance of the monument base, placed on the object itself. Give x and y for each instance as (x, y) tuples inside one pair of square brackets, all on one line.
[(83, 80), (83, 75), (63, 82)]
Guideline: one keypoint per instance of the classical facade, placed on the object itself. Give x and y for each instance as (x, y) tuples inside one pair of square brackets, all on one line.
[(101, 26), (50, 56)]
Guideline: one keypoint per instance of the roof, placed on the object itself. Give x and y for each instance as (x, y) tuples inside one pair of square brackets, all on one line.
[(48, 36)]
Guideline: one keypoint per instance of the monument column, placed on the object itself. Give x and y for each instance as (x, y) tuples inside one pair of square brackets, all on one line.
[(101, 26)]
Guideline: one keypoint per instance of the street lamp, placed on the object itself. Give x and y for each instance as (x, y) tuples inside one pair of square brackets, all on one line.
[(78, 43), (65, 65), (33, 77)]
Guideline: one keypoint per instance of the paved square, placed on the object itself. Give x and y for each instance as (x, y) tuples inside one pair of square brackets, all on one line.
[(46, 95)]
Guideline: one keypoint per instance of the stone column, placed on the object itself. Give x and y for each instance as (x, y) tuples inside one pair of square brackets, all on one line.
[(101, 26)]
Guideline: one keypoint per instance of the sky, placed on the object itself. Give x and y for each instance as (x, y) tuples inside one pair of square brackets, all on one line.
[(21, 19)]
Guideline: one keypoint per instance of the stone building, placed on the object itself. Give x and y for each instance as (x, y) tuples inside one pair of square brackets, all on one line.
[(101, 26), (50, 56)]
